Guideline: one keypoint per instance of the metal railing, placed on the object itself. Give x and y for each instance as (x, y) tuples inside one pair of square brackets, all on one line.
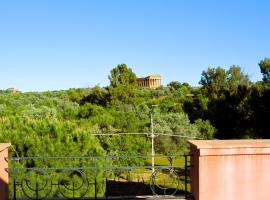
[(88, 177)]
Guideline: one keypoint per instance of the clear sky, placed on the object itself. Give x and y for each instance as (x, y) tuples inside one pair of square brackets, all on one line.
[(61, 44)]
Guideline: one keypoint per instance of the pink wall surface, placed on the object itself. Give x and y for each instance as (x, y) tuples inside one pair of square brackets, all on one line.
[(230, 169), (3, 171)]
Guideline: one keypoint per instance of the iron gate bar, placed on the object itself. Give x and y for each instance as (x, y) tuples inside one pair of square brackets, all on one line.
[(95, 157)]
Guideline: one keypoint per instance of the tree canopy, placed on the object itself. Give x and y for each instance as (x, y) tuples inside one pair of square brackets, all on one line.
[(122, 75), (265, 69), (227, 105)]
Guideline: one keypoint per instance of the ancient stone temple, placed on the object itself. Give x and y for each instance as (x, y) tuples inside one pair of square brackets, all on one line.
[(151, 81)]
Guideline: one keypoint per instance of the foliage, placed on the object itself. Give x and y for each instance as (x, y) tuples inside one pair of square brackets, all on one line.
[(98, 96), (206, 130), (217, 79), (178, 126), (227, 105), (123, 85), (174, 85), (231, 103), (213, 77), (260, 111), (92, 121), (122, 75), (236, 77), (265, 69)]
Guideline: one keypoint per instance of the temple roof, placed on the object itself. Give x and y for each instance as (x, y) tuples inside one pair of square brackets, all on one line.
[(157, 76)]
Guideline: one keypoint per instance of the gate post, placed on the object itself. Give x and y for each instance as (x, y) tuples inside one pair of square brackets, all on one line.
[(4, 171)]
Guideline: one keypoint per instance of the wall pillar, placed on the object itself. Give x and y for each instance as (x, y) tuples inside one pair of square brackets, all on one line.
[(230, 169), (3, 171)]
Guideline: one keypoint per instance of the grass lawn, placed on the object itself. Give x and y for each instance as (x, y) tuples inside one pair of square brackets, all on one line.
[(164, 178), (163, 161)]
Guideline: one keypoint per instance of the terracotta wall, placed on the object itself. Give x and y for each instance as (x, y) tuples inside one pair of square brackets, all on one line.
[(3, 171), (230, 170)]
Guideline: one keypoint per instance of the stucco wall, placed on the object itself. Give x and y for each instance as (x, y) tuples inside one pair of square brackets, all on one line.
[(230, 170), (3, 171)]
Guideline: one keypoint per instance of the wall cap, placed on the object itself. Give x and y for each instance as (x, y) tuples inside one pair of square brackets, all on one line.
[(230, 144)]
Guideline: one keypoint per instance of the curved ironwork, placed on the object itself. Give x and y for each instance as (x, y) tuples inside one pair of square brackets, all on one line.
[(36, 188), (172, 174), (36, 184), (67, 183), (94, 178)]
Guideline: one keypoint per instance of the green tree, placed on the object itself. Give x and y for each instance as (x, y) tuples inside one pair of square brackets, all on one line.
[(217, 79), (259, 103), (214, 77), (174, 85), (231, 113), (123, 85), (265, 69), (235, 77), (98, 96), (122, 75), (177, 128), (206, 130), (213, 80)]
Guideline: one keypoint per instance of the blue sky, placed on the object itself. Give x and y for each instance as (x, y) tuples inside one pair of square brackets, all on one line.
[(54, 44)]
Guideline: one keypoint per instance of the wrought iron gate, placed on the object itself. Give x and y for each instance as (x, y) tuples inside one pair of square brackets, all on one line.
[(92, 177)]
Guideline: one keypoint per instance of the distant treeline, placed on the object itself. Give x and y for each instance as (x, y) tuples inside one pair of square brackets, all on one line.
[(227, 105)]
